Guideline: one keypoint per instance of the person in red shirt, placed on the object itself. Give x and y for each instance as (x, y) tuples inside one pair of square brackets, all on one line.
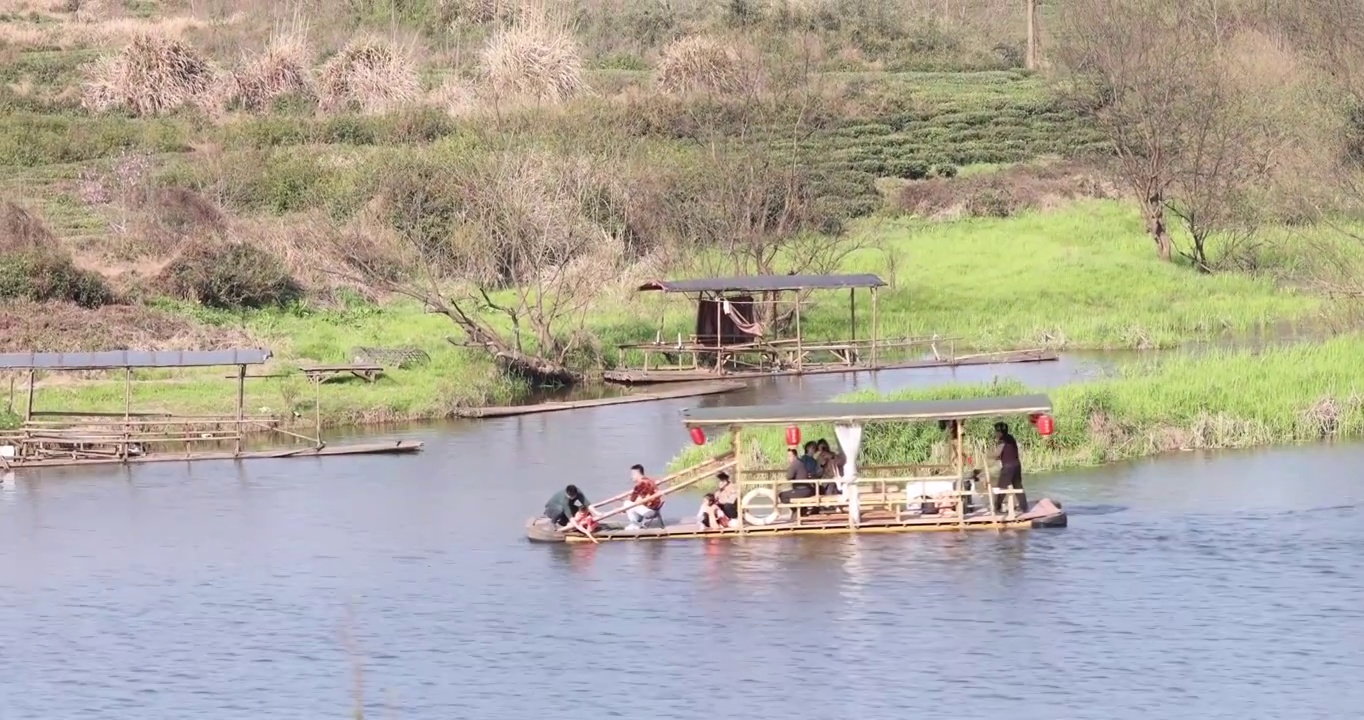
[(645, 489)]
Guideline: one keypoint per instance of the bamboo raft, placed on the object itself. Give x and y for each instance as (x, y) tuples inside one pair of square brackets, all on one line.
[(875, 499), (679, 391)]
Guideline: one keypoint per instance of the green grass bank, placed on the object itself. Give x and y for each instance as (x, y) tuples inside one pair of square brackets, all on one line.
[(1080, 277), (1226, 400)]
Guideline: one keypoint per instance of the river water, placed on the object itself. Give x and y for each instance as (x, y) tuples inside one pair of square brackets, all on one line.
[(1192, 586)]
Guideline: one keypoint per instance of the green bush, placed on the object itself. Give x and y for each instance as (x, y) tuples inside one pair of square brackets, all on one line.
[(43, 275), (231, 276)]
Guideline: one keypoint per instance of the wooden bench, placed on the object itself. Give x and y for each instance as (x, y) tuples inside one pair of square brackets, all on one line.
[(323, 373)]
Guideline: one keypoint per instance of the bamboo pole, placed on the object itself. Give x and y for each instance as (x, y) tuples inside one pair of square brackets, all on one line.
[(127, 407), (961, 499), (800, 353), (852, 316), (737, 431), (317, 411), (28, 407), (873, 328), (661, 493), (241, 405)]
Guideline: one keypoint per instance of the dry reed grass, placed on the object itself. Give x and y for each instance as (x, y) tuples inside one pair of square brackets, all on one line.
[(706, 64), (282, 69), (369, 74), (21, 231), (153, 75), (477, 12), (456, 97), (535, 58)]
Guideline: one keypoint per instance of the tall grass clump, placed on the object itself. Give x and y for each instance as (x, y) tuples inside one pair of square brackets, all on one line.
[(369, 75), (1228, 400), (705, 64), (281, 70), (152, 75), (534, 58)]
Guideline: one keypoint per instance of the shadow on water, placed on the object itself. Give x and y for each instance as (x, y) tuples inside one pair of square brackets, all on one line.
[(1194, 585)]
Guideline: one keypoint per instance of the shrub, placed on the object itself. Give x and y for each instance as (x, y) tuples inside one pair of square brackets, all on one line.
[(369, 75), (231, 276), (533, 59), (153, 75), (34, 265), (280, 71), (704, 64)]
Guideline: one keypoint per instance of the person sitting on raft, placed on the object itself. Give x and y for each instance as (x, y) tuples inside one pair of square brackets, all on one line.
[(795, 470), (647, 490), (711, 515), (727, 495), (565, 504)]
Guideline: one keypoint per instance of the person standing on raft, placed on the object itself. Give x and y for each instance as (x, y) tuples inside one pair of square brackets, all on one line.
[(565, 504), (1010, 468)]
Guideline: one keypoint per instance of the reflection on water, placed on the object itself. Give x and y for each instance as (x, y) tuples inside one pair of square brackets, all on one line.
[(1193, 586)]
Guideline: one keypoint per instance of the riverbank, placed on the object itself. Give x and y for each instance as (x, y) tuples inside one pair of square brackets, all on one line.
[(1078, 277), (1225, 400)]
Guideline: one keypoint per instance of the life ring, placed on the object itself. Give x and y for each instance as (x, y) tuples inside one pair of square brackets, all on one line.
[(770, 497)]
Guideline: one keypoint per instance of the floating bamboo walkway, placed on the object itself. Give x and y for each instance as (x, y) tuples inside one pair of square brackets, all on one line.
[(678, 391)]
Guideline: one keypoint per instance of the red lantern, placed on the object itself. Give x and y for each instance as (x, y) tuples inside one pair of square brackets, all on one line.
[(698, 436), (1046, 425), (1033, 419), (793, 435)]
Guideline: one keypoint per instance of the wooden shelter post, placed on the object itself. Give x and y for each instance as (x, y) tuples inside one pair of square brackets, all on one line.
[(317, 410), (961, 469), (241, 404), (28, 406), (127, 409), (852, 316), (873, 328), (719, 323), (738, 475), (800, 352)]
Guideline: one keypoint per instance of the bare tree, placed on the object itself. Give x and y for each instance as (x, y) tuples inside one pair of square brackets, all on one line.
[(502, 237), (1142, 72), (1182, 96)]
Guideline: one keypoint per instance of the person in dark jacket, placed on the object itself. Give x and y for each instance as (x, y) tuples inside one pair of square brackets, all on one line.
[(1010, 468), (565, 504)]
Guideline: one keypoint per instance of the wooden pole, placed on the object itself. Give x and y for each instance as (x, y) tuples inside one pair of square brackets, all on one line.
[(241, 405), (852, 315), (800, 354), (738, 473), (11, 394), (873, 328), (127, 406), (317, 410), (28, 407), (961, 499), (719, 321)]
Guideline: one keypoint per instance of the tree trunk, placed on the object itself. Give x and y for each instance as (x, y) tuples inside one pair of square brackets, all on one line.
[(1155, 226), (534, 368)]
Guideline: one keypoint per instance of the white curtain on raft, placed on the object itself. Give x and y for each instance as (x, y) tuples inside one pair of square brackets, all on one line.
[(850, 441)]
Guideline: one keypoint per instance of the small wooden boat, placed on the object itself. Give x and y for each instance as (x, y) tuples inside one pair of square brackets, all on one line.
[(873, 499)]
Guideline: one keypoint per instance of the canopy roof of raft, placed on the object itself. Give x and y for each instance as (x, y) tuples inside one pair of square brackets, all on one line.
[(121, 359), (765, 283), (869, 411)]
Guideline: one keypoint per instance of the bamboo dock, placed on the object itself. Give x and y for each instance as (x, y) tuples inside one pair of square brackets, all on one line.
[(76, 438)]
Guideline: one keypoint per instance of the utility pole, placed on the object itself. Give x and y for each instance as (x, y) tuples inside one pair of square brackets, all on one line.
[(1031, 61)]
